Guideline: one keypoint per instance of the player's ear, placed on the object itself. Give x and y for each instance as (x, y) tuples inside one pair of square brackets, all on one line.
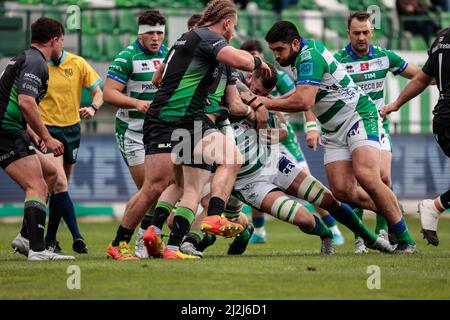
[(295, 44)]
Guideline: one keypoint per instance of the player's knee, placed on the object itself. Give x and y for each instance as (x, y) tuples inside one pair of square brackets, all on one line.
[(59, 183), (342, 192), (38, 187), (367, 178), (304, 221), (386, 178)]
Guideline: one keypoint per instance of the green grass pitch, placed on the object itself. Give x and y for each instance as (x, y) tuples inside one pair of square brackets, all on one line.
[(289, 266)]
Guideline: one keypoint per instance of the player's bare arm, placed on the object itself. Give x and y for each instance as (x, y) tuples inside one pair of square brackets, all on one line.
[(113, 95), (302, 99)]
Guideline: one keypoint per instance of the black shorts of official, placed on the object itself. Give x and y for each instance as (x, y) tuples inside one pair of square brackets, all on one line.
[(163, 137), (70, 137), (14, 145), (442, 134)]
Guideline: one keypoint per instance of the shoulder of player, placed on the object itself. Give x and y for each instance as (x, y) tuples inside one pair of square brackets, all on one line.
[(75, 60), (207, 35), (127, 53), (341, 55)]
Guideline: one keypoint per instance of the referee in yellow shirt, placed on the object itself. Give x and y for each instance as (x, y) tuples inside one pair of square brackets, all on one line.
[(60, 111)]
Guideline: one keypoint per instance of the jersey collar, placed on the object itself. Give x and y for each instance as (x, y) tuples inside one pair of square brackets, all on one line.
[(302, 46), (355, 56), (302, 43), (40, 52), (149, 53), (63, 58)]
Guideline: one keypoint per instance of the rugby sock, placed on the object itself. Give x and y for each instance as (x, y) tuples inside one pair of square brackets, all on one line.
[(359, 213), (24, 231), (381, 224), (54, 219), (64, 204), (329, 221), (216, 206), (445, 200), (123, 234), (194, 237), (181, 224), (320, 229), (258, 222), (348, 218), (208, 240), (400, 229), (147, 221), (34, 212), (162, 212)]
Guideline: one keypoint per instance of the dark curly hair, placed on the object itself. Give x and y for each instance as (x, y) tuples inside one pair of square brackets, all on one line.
[(152, 18)]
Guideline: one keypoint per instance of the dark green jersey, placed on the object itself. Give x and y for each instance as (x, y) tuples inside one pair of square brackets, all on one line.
[(191, 67), (218, 87), (26, 73)]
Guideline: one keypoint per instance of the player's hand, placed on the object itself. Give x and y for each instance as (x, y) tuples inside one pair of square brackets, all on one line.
[(262, 117), (313, 139), (37, 141), (266, 69), (87, 112), (142, 106), (390, 107), (56, 146), (265, 101), (252, 115)]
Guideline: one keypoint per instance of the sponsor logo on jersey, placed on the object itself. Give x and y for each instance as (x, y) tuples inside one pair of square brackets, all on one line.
[(33, 77), (306, 69), (364, 66), (305, 55), (218, 42), (349, 68), (143, 66), (180, 43), (156, 63)]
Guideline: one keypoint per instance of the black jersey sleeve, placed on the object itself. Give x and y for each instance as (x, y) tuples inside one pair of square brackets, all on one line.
[(211, 43), (32, 78), (231, 75), (428, 67)]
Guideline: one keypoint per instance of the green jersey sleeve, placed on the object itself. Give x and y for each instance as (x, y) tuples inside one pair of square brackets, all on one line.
[(396, 63), (284, 83), (310, 67), (121, 68)]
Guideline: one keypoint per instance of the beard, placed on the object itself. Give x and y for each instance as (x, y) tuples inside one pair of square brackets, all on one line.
[(56, 60), (290, 59)]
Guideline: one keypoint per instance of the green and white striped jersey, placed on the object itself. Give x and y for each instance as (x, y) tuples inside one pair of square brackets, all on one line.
[(370, 71), (256, 153), (338, 97), (134, 67)]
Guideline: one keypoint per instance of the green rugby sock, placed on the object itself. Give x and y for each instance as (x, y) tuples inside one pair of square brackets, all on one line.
[(348, 218), (381, 224), (359, 213)]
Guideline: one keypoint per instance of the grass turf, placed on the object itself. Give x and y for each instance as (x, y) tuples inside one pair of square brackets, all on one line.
[(289, 266)]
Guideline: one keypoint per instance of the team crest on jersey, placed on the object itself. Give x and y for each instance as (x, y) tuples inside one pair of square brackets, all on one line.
[(364, 66), (306, 69), (68, 72)]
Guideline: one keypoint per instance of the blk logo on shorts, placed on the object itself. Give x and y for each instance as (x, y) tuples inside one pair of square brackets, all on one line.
[(165, 145)]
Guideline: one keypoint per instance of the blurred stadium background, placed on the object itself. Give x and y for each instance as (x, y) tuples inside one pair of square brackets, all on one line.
[(101, 185)]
